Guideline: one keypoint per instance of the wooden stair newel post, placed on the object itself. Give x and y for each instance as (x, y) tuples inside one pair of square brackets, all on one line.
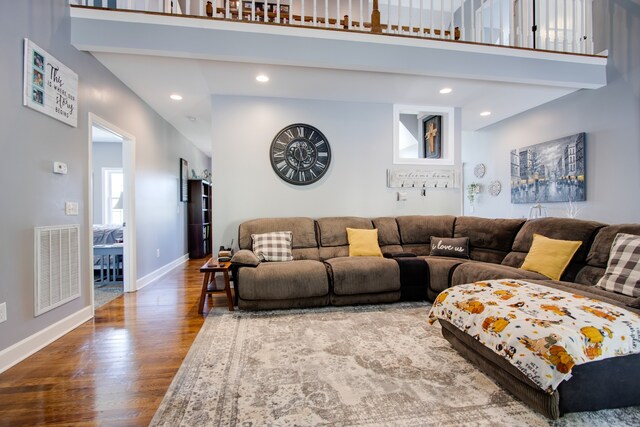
[(375, 18)]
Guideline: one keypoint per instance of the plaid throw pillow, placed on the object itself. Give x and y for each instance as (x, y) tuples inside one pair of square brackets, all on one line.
[(274, 246), (623, 269)]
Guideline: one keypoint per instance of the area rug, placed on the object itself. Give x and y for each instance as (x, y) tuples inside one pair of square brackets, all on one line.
[(341, 366), (106, 293)]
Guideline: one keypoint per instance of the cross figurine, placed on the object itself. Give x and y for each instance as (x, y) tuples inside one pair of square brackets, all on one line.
[(431, 134)]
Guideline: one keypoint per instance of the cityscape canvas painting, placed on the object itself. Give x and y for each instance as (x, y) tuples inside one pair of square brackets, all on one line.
[(553, 171)]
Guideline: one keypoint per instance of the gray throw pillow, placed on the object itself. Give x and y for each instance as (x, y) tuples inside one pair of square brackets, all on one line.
[(623, 268), (274, 246), (457, 247)]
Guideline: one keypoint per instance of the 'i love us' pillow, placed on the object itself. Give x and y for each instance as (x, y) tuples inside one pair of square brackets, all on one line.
[(457, 247)]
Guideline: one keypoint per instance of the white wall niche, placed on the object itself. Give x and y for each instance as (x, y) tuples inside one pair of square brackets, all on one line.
[(421, 111)]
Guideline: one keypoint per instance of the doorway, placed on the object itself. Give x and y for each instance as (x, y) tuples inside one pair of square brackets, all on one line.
[(111, 206)]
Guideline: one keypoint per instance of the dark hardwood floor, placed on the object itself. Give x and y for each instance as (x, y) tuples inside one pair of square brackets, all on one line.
[(114, 369)]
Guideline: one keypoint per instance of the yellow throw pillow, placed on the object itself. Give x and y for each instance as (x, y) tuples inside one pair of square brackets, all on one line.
[(550, 256), (363, 242)]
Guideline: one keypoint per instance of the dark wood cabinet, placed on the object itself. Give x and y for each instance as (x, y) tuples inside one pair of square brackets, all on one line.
[(199, 213)]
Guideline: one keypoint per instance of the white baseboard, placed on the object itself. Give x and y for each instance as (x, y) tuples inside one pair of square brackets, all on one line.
[(155, 275), (28, 346)]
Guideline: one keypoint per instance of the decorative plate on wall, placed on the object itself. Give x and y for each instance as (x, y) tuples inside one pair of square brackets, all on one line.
[(479, 170), (494, 188)]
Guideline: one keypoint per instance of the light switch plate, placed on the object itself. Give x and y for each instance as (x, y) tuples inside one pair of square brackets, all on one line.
[(402, 196), (71, 208), (59, 167), (3, 312)]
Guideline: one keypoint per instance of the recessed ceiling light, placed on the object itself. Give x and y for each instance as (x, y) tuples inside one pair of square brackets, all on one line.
[(262, 78), (446, 90), (175, 97), (485, 113)]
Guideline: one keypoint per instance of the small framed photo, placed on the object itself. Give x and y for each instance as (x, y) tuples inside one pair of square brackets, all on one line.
[(38, 60), (184, 180)]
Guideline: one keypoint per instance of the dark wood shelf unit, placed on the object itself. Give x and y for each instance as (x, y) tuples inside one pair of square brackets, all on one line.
[(199, 213)]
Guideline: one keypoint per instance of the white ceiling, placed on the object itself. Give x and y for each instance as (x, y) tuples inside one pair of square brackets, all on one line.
[(154, 78)]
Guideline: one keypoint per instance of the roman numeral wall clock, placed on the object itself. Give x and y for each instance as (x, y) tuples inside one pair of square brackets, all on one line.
[(300, 154)]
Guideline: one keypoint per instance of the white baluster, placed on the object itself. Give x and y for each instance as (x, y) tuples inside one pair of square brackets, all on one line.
[(399, 13), (278, 11), (573, 27), (441, 19), (473, 21), (501, 24), (338, 13), (411, 17), (265, 11), (522, 34), (512, 33), (302, 11), (481, 22), (583, 27), (491, 2), (350, 13), (290, 10), (388, 16), (589, 32), (452, 32), (130, 4), (315, 16), (421, 23), (547, 41), (361, 16), (326, 13), (463, 32), (555, 27), (431, 26), (253, 10), (564, 30)]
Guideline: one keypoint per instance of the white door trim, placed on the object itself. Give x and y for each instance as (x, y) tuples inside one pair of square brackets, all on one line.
[(129, 232)]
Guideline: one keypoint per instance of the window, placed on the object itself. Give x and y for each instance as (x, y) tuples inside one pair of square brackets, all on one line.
[(112, 190)]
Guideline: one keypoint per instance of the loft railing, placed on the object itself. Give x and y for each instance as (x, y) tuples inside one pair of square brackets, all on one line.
[(557, 25)]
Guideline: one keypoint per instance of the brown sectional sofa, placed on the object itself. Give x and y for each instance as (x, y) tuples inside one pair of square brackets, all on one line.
[(322, 273)]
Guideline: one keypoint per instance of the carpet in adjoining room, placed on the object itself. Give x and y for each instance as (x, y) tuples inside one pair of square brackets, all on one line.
[(341, 366)]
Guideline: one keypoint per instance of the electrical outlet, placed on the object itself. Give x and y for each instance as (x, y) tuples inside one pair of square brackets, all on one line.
[(3, 312), (157, 253)]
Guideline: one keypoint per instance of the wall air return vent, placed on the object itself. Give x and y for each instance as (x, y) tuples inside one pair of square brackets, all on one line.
[(57, 266)]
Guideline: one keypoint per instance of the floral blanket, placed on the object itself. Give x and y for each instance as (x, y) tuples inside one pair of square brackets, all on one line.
[(542, 331)]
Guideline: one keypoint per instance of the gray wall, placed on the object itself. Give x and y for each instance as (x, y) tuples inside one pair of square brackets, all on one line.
[(360, 134), (610, 116), (105, 155), (32, 141)]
